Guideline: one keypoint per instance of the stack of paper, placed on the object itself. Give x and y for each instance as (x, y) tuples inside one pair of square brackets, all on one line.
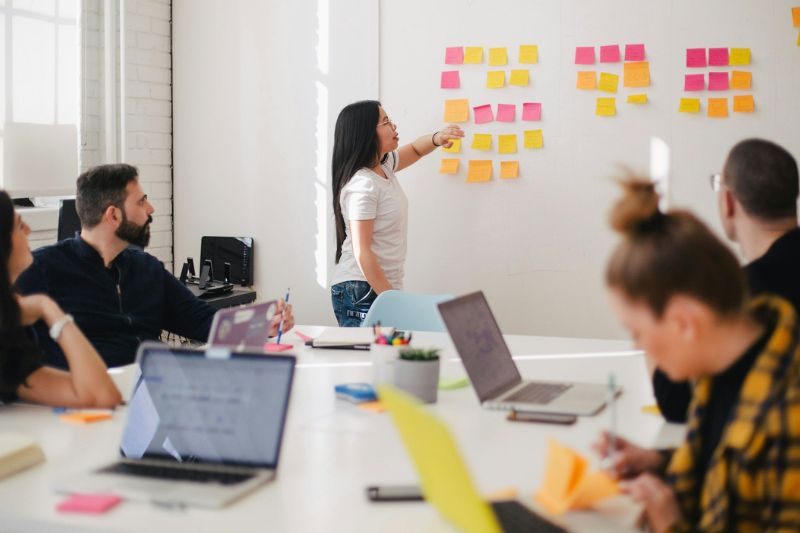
[(348, 337)]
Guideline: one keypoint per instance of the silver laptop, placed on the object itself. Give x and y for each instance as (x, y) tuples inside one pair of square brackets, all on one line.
[(242, 327), (494, 374), (203, 428)]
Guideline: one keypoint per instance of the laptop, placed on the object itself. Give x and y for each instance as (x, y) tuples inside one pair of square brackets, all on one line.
[(445, 479), (242, 327), (203, 428), (494, 374)]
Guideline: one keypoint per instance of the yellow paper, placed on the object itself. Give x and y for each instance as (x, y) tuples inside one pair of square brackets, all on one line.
[(636, 74), (498, 56), (689, 105), (495, 79), (606, 107), (718, 107), (741, 80), (651, 409), (448, 166), (739, 57), (509, 169), (798, 38), (533, 139), (455, 148), (519, 77), (473, 55), (507, 144), (482, 141), (608, 82), (744, 104), (456, 110), (587, 79), (479, 170), (528, 54), (637, 98)]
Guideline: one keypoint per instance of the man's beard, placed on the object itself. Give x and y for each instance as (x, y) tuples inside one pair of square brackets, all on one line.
[(136, 235)]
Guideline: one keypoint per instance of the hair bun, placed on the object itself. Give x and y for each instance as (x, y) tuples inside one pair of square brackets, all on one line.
[(638, 206)]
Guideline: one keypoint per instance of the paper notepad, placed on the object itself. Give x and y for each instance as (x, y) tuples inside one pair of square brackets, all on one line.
[(353, 338), (18, 452)]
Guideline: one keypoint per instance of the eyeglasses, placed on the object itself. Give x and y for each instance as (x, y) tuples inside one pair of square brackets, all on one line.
[(386, 122), (715, 180)]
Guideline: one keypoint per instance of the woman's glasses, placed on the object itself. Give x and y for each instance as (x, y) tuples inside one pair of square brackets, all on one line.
[(386, 122)]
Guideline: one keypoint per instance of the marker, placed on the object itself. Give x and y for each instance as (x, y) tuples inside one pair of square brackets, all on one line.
[(280, 325)]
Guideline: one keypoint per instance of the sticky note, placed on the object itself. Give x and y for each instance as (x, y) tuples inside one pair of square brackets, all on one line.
[(275, 347), (506, 112), (717, 107), (608, 82), (509, 169), (456, 110), (375, 406), (606, 107), (694, 82), (495, 79), (473, 55), (528, 54), (584, 55), (796, 17), (482, 141), (717, 81), (651, 409), (587, 79), (637, 98), (498, 56), (634, 52), (531, 111), (85, 417), (636, 74), (455, 148), (696, 57), (479, 170), (743, 103), (520, 78), (689, 105), (483, 114), (533, 139), (718, 57), (609, 54), (453, 383), (88, 503), (508, 493), (741, 79), (451, 79), (739, 57), (449, 166), (798, 38), (507, 144), (454, 55)]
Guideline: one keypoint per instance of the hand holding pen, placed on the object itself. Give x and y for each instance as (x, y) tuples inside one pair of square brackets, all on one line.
[(287, 319)]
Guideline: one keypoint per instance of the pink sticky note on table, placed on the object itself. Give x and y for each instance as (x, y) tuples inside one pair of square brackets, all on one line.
[(506, 112), (454, 55), (634, 52), (718, 57), (609, 54), (275, 347), (584, 55), (531, 111), (451, 79), (88, 503), (694, 82), (717, 81), (696, 57), (483, 114)]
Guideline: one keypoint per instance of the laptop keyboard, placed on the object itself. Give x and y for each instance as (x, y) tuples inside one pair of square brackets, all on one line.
[(176, 474), (541, 393), (515, 517)]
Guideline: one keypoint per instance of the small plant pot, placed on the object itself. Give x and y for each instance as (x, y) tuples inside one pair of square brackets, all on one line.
[(418, 378)]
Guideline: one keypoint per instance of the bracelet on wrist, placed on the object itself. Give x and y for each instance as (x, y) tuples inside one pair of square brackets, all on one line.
[(433, 139), (58, 326)]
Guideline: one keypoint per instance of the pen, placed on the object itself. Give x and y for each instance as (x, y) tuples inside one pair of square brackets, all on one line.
[(280, 324)]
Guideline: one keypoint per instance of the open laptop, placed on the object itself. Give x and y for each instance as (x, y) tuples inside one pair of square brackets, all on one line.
[(203, 428), (444, 477), (493, 372), (242, 327)]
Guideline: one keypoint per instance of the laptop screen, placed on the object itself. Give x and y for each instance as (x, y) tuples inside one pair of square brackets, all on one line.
[(480, 345), (188, 407)]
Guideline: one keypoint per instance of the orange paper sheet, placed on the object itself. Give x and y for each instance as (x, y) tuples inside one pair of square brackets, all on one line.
[(449, 166), (636, 74), (717, 108), (796, 18), (509, 170), (85, 417), (587, 79), (456, 110), (741, 80), (479, 170), (744, 104)]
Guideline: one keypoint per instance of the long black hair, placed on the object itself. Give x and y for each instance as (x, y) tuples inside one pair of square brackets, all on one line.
[(355, 146)]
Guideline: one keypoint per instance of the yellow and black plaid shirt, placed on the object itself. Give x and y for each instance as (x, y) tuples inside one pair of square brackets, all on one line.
[(752, 482)]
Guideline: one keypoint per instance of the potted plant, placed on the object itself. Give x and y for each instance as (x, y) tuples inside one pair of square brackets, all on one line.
[(416, 371)]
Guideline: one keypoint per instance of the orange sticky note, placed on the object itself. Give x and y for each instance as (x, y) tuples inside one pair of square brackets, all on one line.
[(637, 98), (495, 79), (608, 82), (509, 169), (455, 148), (636, 74), (482, 141), (606, 107), (507, 144), (498, 56), (449, 166), (520, 78), (717, 108), (796, 17), (528, 54), (533, 139), (741, 79), (456, 110), (689, 105), (744, 103), (473, 55), (85, 417), (739, 57), (376, 406), (587, 79), (479, 170), (508, 493)]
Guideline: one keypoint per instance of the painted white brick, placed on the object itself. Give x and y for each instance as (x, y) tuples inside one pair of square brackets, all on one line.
[(159, 191), (138, 22), (161, 92), (161, 27), (155, 174), (147, 41), (162, 207), (155, 74)]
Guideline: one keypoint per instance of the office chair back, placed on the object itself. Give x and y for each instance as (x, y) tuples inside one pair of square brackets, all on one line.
[(407, 311), (69, 224)]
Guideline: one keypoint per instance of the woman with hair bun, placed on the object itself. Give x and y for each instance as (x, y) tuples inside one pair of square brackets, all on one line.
[(681, 294)]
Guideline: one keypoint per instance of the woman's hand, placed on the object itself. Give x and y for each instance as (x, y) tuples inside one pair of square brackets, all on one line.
[(38, 307), (630, 460), (447, 135), (283, 312), (660, 505)]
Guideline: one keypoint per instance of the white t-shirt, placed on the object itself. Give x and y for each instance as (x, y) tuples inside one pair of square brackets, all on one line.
[(369, 196)]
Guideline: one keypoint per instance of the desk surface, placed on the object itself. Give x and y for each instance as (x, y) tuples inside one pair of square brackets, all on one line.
[(333, 450)]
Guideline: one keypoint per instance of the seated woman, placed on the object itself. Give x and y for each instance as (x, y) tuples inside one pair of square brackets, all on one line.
[(681, 294), (87, 384)]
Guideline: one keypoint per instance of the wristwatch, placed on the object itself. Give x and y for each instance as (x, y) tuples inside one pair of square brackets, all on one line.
[(58, 326)]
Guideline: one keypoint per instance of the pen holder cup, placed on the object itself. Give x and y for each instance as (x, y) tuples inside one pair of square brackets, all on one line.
[(418, 378), (383, 360)]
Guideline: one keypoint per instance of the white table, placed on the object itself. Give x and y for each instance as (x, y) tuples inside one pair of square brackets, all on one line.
[(332, 450)]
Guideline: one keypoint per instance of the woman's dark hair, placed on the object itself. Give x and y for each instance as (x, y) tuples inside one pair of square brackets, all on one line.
[(355, 146)]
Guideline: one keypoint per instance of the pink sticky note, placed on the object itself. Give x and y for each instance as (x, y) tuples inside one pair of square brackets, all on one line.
[(275, 347), (634, 52), (454, 55), (696, 57), (718, 57), (88, 503), (506, 112), (531, 111), (483, 114), (451, 79), (717, 81), (302, 336), (609, 54), (584, 55), (694, 82)]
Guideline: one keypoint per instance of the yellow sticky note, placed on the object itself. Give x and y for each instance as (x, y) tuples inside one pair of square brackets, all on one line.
[(509, 169), (479, 170), (482, 141), (528, 54), (689, 105), (798, 38), (507, 144), (520, 78), (495, 79), (498, 56), (636, 74), (606, 107), (744, 104), (533, 139), (651, 409), (455, 148), (739, 57), (741, 79), (717, 107), (637, 98), (456, 110), (587, 79), (608, 82), (449, 166), (473, 55)]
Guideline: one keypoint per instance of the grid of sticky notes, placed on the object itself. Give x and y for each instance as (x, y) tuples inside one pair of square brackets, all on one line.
[(501, 74), (606, 77), (730, 74), (796, 21)]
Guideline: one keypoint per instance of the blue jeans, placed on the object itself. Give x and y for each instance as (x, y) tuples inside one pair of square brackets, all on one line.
[(351, 301)]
